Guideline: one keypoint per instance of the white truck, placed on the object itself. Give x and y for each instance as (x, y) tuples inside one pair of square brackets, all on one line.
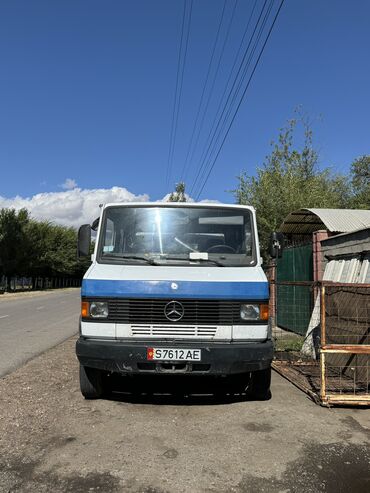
[(174, 288)]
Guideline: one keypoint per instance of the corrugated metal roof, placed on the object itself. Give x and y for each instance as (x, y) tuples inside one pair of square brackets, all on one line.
[(305, 221)]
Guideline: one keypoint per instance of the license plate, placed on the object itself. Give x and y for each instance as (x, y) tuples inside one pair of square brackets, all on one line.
[(171, 354)]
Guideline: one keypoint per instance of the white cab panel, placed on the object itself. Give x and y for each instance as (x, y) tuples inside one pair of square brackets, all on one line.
[(172, 273), (98, 329), (250, 332)]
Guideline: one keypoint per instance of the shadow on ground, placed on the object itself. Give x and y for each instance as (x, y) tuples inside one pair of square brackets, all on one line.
[(177, 390), (330, 468)]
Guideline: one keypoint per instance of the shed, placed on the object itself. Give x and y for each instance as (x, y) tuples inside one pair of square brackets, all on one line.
[(347, 257), (305, 231), (303, 222), (312, 226)]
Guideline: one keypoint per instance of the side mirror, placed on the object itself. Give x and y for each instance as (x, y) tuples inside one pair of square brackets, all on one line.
[(276, 244), (84, 241)]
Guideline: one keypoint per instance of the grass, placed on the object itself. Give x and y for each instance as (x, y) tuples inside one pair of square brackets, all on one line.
[(288, 343)]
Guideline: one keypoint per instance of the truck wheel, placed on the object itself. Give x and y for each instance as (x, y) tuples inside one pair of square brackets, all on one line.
[(91, 382), (259, 387)]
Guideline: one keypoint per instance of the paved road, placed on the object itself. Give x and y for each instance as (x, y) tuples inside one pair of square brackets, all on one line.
[(32, 323)]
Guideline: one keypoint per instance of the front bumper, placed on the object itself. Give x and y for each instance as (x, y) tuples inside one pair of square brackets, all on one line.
[(130, 357)]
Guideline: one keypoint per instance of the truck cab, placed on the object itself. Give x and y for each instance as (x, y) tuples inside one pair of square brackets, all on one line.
[(174, 288)]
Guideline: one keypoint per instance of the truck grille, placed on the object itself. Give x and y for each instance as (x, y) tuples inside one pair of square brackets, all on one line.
[(196, 312), (182, 331)]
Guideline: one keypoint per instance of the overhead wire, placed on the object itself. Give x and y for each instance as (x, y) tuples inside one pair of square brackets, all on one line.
[(226, 104), (212, 129), (178, 90), (213, 83), (206, 158), (183, 172), (242, 97)]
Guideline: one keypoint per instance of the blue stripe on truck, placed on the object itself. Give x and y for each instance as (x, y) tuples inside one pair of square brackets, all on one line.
[(185, 289)]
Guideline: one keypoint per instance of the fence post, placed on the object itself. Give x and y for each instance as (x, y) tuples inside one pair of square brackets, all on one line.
[(322, 343), (273, 290)]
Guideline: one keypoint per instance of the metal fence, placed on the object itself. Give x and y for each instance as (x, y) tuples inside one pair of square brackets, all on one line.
[(330, 360), (37, 283)]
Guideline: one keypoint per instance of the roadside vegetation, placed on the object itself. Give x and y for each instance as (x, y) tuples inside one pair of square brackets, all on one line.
[(291, 177), (288, 342), (34, 249)]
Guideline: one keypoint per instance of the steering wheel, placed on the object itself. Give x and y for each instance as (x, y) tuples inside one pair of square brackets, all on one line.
[(221, 249)]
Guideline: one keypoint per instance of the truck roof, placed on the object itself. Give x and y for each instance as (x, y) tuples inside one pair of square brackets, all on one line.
[(178, 204)]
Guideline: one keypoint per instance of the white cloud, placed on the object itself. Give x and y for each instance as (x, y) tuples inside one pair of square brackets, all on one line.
[(75, 206), (209, 201), (69, 184), (72, 207)]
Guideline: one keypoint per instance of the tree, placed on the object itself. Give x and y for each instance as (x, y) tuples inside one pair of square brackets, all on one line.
[(37, 248), (53, 251), (179, 194), (13, 242), (290, 179), (360, 181)]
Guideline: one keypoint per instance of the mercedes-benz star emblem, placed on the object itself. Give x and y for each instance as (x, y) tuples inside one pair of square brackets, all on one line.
[(174, 311)]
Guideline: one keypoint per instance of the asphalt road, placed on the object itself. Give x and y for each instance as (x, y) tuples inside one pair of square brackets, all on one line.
[(30, 323)]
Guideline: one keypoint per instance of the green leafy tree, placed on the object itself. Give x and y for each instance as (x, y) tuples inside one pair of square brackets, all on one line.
[(179, 194), (37, 248), (13, 242), (360, 180), (53, 251), (290, 179)]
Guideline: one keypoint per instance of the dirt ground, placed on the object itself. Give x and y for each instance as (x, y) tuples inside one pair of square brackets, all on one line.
[(52, 440)]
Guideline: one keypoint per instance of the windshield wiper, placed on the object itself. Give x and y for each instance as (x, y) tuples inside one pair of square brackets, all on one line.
[(153, 262), (210, 260), (133, 257)]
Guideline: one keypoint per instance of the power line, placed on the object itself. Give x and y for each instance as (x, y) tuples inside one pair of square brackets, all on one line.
[(205, 85), (178, 90), (243, 95), (240, 101), (204, 154), (238, 80), (221, 124), (214, 81)]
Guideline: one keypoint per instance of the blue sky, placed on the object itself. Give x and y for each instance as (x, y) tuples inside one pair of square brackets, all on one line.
[(87, 90)]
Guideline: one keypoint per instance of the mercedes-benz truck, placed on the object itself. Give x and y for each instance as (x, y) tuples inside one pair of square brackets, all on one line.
[(174, 288)]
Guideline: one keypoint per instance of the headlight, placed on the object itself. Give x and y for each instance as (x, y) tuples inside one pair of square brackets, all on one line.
[(98, 309), (249, 312)]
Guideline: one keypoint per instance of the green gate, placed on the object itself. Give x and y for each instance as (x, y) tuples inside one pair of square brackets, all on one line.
[(294, 303)]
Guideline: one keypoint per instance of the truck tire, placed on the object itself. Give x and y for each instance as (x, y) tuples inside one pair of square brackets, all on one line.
[(259, 386), (91, 382)]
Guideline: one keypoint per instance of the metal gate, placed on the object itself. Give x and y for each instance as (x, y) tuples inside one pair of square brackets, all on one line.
[(337, 371), (294, 302)]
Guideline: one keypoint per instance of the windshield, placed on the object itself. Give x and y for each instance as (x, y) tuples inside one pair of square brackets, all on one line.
[(177, 236)]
